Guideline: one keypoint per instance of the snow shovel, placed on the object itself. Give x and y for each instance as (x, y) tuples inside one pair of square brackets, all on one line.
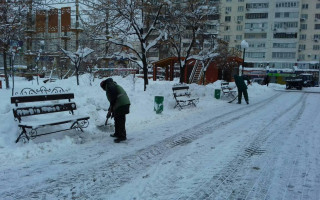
[(106, 127)]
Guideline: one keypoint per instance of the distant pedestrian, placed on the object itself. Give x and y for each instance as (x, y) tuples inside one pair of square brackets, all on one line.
[(119, 107), (242, 87), (266, 80)]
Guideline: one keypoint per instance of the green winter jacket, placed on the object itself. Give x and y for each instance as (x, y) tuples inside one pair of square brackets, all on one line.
[(239, 80), (118, 98)]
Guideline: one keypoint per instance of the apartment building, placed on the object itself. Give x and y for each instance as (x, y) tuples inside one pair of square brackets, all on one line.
[(280, 33)]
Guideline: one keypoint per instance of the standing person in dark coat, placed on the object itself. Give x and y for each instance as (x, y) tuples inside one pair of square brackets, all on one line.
[(242, 87), (266, 80), (119, 107)]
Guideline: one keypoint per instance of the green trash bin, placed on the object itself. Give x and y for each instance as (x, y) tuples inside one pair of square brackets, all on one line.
[(158, 104), (217, 93)]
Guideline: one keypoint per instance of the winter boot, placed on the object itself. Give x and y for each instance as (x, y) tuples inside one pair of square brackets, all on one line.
[(120, 139), (114, 135)]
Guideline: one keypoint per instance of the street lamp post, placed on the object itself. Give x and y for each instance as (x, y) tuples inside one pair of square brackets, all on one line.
[(244, 45), (38, 58)]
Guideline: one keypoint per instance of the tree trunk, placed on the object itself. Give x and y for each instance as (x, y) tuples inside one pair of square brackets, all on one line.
[(182, 71), (145, 71), (5, 69), (204, 77), (77, 74)]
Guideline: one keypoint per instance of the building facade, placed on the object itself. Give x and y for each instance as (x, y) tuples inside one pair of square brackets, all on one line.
[(280, 33)]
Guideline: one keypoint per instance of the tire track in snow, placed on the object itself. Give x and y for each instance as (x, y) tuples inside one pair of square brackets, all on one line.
[(107, 177), (220, 186), (262, 182)]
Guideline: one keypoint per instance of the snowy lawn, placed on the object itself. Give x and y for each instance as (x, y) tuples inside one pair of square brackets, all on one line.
[(215, 150)]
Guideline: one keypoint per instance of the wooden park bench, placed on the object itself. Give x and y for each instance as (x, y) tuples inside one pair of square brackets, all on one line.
[(183, 97), (52, 105), (228, 92)]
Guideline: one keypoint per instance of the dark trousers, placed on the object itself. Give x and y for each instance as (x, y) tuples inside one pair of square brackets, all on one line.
[(120, 126), (245, 94)]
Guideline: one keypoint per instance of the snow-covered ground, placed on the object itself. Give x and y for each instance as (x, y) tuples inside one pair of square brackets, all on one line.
[(268, 149)]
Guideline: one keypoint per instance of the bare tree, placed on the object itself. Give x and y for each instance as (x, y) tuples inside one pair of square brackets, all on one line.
[(77, 58), (186, 30), (11, 24), (132, 25), (224, 60)]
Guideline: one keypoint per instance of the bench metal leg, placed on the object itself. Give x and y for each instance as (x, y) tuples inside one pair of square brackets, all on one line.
[(79, 125), (22, 132)]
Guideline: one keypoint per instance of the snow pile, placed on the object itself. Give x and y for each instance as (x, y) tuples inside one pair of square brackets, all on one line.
[(91, 100)]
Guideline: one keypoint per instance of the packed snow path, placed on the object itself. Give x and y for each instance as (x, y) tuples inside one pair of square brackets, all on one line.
[(266, 150)]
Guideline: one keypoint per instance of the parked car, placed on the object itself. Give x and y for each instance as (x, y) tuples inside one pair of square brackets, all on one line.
[(308, 80), (258, 80), (302, 80)]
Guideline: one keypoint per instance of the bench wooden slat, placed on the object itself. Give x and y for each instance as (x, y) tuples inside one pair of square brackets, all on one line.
[(180, 88), (43, 109), (34, 98)]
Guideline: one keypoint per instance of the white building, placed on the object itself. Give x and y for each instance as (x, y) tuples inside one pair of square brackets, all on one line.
[(280, 33)]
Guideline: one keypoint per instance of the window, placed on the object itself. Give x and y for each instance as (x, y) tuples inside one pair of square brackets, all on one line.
[(304, 26), (228, 9), (316, 36), (226, 28), (287, 5), (284, 45), (240, 8), (284, 55), (240, 0), (302, 47), (239, 27), (301, 57), (255, 54), (287, 15), (256, 15), (261, 45), (257, 5), (211, 27), (317, 26), (303, 37), (255, 35), (229, 0), (285, 24), (226, 37), (240, 18), (316, 47), (305, 6), (285, 35), (304, 16), (256, 25), (238, 37), (227, 19), (318, 5)]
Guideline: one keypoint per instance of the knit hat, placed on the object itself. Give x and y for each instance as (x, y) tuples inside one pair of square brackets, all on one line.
[(109, 80), (105, 82)]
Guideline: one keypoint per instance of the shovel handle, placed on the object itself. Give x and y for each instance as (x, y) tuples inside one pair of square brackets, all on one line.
[(106, 122)]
